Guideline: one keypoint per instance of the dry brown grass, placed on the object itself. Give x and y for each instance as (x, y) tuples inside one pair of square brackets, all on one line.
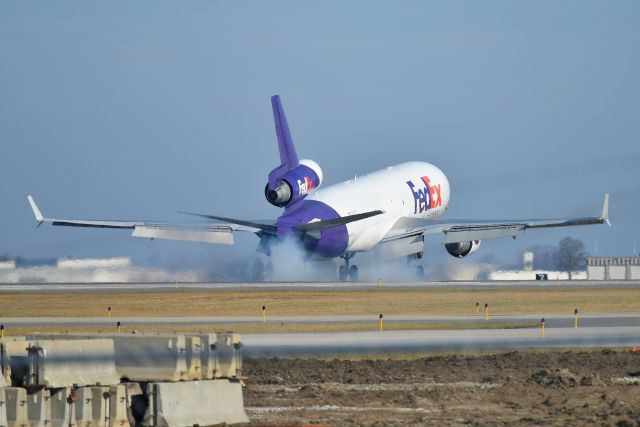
[(292, 302)]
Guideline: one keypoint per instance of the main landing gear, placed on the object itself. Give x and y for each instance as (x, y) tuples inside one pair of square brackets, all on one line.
[(346, 272), (418, 270)]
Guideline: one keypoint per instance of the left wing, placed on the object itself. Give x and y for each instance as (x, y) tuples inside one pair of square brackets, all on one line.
[(468, 230), (220, 233)]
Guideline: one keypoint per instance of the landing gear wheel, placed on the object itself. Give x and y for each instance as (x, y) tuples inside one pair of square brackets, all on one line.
[(353, 273), (343, 273), (419, 273)]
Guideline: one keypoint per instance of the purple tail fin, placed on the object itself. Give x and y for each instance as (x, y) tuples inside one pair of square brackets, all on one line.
[(288, 156)]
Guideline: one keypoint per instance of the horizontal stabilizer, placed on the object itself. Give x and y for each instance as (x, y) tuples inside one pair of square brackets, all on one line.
[(268, 228), (319, 225)]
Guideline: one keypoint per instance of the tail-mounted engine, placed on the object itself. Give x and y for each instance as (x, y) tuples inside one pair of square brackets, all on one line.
[(295, 184), (462, 249)]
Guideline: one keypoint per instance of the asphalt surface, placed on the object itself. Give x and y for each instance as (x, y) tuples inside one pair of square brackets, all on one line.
[(389, 342), (607, 320), (595, 330), (301, 286)]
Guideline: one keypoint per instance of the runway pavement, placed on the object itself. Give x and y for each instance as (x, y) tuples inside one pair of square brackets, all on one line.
[(596, 330), (610, 320), (306, 286), (388, 342)]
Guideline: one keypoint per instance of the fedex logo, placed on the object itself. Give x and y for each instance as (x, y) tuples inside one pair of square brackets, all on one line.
[(304, 186), (425, 198)]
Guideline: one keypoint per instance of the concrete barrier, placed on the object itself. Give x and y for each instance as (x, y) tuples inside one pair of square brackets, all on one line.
[(39, 408), (16, 351), (141, 357), (5, 367), (195, 403), (227, 352), (62, 408), (3, 408), (208, 355), (83, 406), (64, 363), (17, 415), (152, 358), (137, 402), (117, 407), (194, 362)]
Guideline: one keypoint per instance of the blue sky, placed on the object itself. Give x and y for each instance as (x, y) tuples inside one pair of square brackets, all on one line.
[(133, 110)]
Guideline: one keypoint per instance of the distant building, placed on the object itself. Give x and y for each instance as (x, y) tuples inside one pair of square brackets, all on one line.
[(527, 260), (528, 273), (10, 264), (613, 268), (89, 270)]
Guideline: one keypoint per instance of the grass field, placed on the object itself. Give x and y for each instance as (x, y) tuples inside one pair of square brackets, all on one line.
[(291, 302)]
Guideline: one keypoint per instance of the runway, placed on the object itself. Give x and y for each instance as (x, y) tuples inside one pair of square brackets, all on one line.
[(595, 330), (308, 286), (606, 320), (363, 343)]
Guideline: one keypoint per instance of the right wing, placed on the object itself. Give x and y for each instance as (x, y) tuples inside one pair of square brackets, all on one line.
[(456, 231), (220, 233)]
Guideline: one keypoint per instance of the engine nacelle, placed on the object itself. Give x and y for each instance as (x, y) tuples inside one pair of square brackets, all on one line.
[(295, 184), (462, 249)]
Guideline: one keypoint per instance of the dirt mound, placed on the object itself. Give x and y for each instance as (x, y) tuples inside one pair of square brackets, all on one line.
[(519, 387)]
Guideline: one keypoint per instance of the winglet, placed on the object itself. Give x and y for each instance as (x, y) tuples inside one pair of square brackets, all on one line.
[(36, 211), (605, 210)]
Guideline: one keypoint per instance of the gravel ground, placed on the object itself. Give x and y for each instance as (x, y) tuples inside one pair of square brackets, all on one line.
[(516, 388)]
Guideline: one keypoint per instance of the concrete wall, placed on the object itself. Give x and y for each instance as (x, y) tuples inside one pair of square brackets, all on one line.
[(142, 357), (39, 408), (175, 404), (60, 408), (531, 275), (64, 363), (228, 360), (616, 272), (595, 272), (17, 415), (5, 366), (3, 408)]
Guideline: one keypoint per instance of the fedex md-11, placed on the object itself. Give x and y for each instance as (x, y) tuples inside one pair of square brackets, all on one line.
[(390, 211)]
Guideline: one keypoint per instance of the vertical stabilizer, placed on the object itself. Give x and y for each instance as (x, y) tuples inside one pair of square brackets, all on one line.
[(288, 156)]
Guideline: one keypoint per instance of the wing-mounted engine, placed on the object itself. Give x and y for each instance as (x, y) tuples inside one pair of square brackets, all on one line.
[(293, 185), (462, 249)]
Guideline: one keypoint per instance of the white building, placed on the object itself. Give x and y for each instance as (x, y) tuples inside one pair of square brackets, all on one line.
[(90, 270), (613, 268), (528, 272)]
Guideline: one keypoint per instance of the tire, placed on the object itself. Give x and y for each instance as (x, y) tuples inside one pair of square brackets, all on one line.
[(353, 273), (419, 273), (343, 273)]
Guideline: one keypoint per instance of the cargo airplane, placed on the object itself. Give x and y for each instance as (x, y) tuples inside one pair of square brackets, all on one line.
[(389, 211)]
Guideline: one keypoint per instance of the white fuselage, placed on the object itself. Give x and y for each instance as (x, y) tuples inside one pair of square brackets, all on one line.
[(412, 189)]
